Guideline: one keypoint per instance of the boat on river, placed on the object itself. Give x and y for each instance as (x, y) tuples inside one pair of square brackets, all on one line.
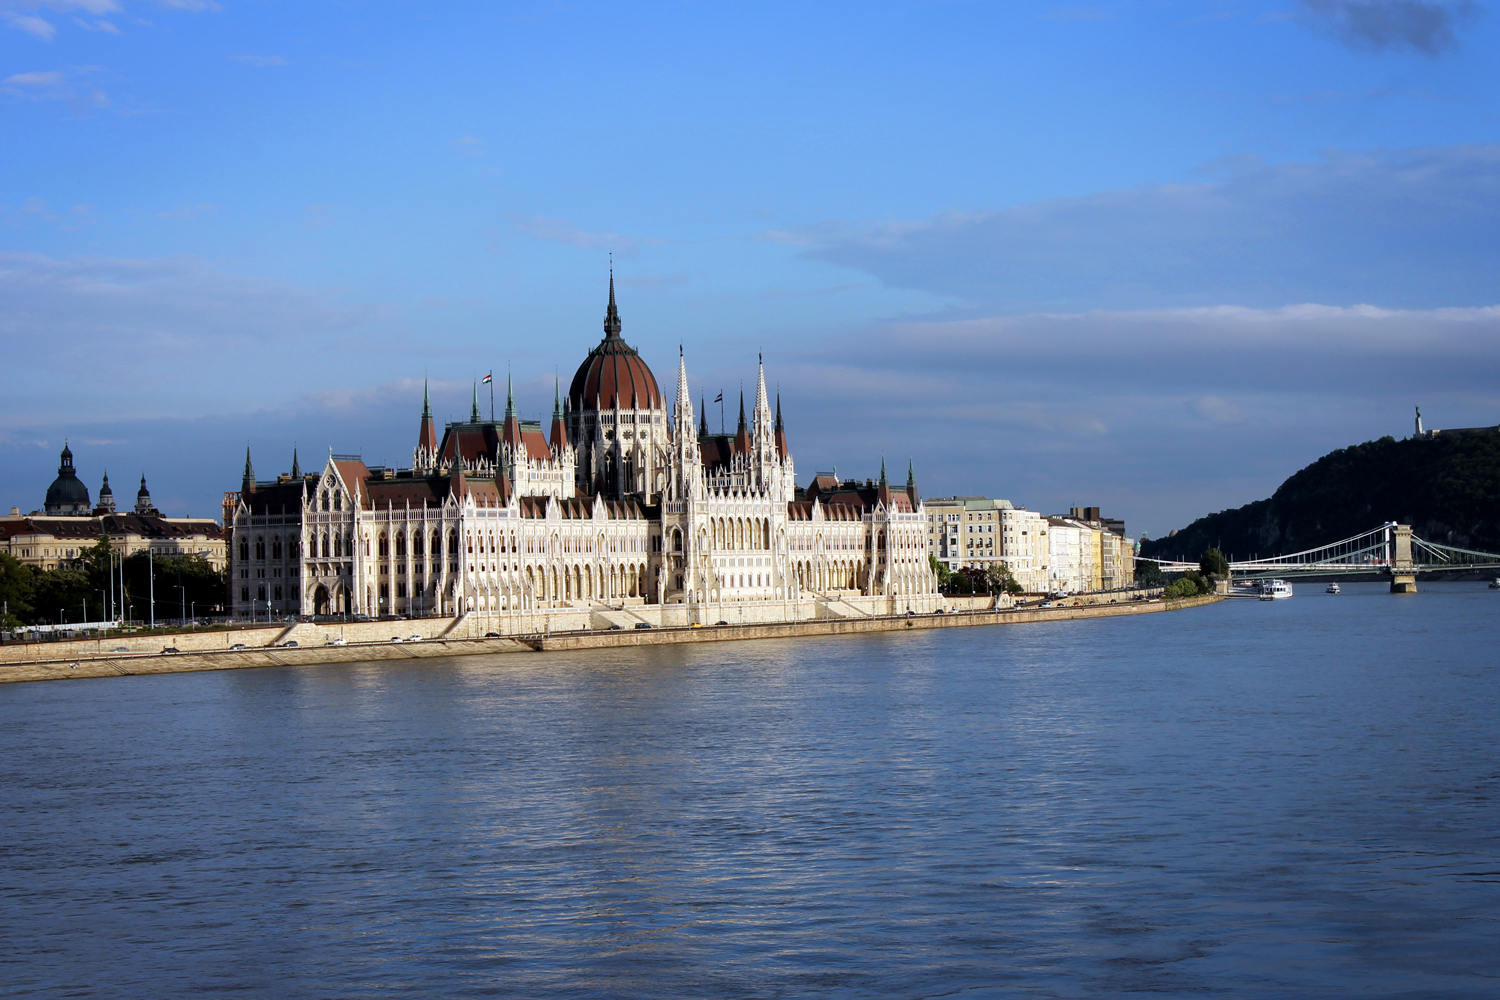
[(1275, 590), (1333, 588)]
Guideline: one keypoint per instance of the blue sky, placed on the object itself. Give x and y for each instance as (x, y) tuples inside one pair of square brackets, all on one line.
[(1152, 256)]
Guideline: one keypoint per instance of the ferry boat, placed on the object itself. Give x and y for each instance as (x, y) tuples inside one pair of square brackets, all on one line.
[(1495, 583), (1333, 588), (1275, 590)]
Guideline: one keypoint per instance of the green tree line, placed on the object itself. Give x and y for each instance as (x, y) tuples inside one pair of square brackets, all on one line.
[(48, 597)]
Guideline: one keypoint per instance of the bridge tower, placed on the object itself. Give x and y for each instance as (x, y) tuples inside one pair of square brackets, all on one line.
[(1403, 570)]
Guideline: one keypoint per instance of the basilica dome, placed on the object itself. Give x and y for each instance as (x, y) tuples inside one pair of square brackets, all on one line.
[(613, 376), (67, 494)]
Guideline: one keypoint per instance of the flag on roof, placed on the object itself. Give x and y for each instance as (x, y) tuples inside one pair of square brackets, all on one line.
[(487, 379), (719, 398)]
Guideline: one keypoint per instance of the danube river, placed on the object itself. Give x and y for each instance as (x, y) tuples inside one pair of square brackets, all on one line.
[(1250, 799)]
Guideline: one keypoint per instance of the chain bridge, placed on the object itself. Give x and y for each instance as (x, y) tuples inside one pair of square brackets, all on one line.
[(1391, 550)]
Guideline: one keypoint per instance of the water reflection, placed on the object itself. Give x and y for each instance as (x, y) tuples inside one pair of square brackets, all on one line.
[(1263, 800)]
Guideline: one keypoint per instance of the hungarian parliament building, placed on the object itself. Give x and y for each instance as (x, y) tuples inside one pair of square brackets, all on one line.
[(620, 503)]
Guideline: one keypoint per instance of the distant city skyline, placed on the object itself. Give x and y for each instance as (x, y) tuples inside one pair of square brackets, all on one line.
[(1148, 257)]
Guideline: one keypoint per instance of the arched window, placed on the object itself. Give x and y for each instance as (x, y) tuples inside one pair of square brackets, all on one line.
[(325, 499), (383, 546), (416, 544), (338, 501), (325, 545), (245, 551), (677, 545), (400, 544), (260, 547), (276, 548)]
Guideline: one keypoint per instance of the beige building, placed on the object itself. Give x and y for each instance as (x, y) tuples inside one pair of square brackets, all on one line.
[(979, 532), (58, 535), (624, 501), (1089, 552)]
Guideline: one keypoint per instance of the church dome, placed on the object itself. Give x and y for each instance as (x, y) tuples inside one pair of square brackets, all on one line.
[(67, 494), (613, 375)]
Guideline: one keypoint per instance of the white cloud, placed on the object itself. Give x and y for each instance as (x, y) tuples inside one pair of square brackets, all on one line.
[(562, 231), (1416, 228), (47, 79), (32, 25)]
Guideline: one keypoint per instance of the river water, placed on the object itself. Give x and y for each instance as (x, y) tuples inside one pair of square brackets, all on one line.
[(1250, 800)]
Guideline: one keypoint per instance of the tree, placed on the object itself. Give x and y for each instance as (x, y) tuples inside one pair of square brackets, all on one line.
[(1214, 565), (16, 585), (1148, 574), (943, 575), (61, 594), (1001, 581)]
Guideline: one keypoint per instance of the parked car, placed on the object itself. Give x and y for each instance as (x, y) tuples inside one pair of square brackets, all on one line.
[(171, 649), (1045, 604), (614, 628), (238, 645), (395, 638), (289, 643), (696, 625), (414, 638), (338, 640), (721, 623), (120, 649), (492, 635), (642, 624)]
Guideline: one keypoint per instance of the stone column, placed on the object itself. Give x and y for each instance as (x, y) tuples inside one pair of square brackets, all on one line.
[(1403, 575)]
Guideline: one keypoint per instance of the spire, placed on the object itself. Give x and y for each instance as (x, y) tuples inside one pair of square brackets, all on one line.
[(885, 485), (510, 399), (684, 396), (559, 425), (247, 485), (883, 480), (143, 498), (762, 404), (702, 416), (612, 315), (742, 433), (106, 497), (426, 403), (296, 469), (426, 434), (556, 396), (474, 416), (911, 485), (780, 430)]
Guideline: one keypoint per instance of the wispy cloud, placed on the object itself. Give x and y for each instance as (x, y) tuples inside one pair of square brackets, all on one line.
[(561, 231), (1425, 25), (1411, 228), (50, 78), (24, 15), (470, 145)]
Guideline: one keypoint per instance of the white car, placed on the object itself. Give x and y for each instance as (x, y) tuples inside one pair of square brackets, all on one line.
[(414, 638), (337, 640)]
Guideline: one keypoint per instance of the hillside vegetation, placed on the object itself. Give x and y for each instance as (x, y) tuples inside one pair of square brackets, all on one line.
[(1447, 488)]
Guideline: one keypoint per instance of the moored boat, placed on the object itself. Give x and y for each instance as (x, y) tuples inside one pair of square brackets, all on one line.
[(1333, 588), (1275, 590)]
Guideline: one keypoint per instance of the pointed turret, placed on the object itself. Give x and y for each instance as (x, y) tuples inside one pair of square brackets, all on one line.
[(780, 430), (559, 425), (296, 468), (106, 497), (427, 433), (247, 484), (885, 484), (474, 416), (143, 496), (911, 484), (742, 434), (612, 314), (702, 416)]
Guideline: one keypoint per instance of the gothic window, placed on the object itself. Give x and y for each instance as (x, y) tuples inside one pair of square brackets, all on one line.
[(276, 548), (277, 593), (338, 501), (244, 593), (245, 551), (416, 544), (325, 499), (384, 547), (291, 548), (325, 545), (400, 544), (260, 548), (260, 593)]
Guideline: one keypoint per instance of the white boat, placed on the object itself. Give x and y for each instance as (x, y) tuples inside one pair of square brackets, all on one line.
[(1495, 583), (1333, 588), (1275, 590)]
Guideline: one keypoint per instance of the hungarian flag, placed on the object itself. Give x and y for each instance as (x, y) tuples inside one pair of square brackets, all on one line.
[(487, 379), (719, 398)]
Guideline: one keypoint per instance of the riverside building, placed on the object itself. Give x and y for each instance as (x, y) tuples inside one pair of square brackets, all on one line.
[(58, 535), (621, 501)]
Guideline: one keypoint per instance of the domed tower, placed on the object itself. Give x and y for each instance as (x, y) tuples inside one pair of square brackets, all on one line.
[(106, 498), (143, 499), (67, 496), (616, 418)]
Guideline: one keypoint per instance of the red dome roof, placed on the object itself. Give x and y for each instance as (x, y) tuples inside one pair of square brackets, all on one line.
[(613, 375)]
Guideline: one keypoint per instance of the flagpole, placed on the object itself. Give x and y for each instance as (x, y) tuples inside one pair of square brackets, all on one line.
[(721, 413), (492, 395)]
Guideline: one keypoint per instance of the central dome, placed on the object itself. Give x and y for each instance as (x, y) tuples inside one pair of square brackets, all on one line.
[(67, 495), (613, 376)]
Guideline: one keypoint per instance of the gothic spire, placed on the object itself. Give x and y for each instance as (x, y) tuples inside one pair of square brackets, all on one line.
[(426, 405), (296, 469), (780, 430), (911, 484), (510, 399), (612, 315), (247, 485), (742, 433), (474, 416), (702, 416)]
